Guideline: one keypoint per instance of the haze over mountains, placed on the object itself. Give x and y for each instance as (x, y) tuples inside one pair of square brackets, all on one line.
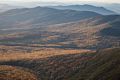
[(114, 7), (100, 10), (6, 7), (110, 6)]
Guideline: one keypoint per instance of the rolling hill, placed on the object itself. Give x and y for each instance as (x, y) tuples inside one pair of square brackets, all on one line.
[(86, 7), (40, 16), (93, 33)]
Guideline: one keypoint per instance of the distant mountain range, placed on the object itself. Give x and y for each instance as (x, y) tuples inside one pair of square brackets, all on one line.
[(114, 7), (107, 9), (100, 10), (41, 16), (6, 7)]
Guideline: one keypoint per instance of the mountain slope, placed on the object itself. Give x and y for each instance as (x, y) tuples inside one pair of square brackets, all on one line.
[(104, 64), (94, 33), (99, 32), (40, 16), (53, 28), (100, 10)]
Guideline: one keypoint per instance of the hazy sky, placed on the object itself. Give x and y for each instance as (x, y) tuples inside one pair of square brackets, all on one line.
[(105, 1)]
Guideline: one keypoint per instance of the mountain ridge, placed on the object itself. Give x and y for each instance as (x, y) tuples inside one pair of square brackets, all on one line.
[(86, 7), (41, 16)]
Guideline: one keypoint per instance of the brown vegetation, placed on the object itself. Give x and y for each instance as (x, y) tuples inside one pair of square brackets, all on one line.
[(14, 73), (34, 54), (71, 65)]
